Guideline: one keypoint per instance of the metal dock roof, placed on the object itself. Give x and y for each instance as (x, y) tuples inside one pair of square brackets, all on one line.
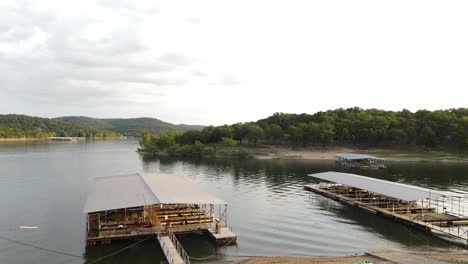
[(356, 156), (139, 189), (392, 189)]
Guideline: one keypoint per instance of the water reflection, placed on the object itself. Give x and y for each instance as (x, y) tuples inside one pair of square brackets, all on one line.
[(386, 228)]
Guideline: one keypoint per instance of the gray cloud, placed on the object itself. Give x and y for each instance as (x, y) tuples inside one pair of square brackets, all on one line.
[(99, 63), (70, 68), (175, 59)]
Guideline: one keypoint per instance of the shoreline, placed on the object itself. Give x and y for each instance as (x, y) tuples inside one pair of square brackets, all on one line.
[(380, 257), (328, 154), (45, 139), (22, 139)]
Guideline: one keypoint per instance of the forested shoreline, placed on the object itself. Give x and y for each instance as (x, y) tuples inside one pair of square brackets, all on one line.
[(363, 128), (30, 128)]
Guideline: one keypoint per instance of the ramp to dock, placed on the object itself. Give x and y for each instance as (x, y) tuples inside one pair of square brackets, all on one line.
[(169, 249)]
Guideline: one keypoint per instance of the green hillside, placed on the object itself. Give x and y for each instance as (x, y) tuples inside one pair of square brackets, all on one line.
[(354, 127), (129, 126), (22, 126)]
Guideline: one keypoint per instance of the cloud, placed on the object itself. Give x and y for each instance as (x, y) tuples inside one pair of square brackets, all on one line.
[(174, 59), (226, 81), (70, 64)]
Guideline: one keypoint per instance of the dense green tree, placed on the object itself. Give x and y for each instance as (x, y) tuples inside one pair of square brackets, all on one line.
[(22, 126), (427, 136), (147, 141), (326, 133), (352, 126), (240, 131), (190, 137), (459, 133), (254, 133), (228, 142), (296, 135), (166, 140), (276, 133)]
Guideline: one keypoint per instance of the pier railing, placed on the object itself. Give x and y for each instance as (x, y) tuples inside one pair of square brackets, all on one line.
[(164, 248), (180, 249), (444, 215)]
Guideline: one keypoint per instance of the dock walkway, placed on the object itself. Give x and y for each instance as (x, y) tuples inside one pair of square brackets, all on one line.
[(170, 251)]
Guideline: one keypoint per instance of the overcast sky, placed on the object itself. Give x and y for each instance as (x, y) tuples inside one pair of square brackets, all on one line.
[(215, 62)]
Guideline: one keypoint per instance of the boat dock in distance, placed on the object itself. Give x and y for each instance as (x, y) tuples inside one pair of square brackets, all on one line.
[(160, 205), (363, 161), (425, 209), (73, 139)]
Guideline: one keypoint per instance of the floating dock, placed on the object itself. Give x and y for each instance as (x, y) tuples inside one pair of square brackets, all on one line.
[(66, 138), (362, 161), (422, 208), (136, 206), (224, 237)]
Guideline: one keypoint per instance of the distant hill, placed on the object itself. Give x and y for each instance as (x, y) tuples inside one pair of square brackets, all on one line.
[(129, 126), (23, 126)]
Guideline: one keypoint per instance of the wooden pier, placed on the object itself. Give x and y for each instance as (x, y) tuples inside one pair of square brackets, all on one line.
[(424, 215)]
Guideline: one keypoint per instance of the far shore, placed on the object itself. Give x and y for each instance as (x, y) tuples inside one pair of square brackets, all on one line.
[(21, 139), (29, 139), (329, 153), (266, 152), (386, 257)]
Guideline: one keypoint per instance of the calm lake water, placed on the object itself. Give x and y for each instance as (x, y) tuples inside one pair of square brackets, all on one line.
[(46, 184)]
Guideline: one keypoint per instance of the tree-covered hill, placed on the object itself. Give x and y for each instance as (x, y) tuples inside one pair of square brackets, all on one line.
[(371, 127), (340, 127), (129, 126), (22, 126)]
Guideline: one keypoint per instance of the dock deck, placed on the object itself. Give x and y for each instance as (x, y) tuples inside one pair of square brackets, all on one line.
[(139, 205), (423, 217), (226, 236)]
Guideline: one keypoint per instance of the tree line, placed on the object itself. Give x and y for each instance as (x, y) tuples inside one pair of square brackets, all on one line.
[(352, 126), (22, 126)]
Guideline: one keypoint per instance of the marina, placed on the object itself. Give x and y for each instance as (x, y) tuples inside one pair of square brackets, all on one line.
[(425, 209)]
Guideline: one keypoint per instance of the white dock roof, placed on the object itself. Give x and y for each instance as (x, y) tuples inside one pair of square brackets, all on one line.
[(172, 189), (356, 156), (139, 189), (392, 189)]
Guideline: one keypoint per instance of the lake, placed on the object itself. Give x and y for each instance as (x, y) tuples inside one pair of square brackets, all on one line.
[(45, 184)]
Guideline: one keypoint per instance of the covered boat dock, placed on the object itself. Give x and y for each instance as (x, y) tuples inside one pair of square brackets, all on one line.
[(354, 160), (423, 208), (139, 205)]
